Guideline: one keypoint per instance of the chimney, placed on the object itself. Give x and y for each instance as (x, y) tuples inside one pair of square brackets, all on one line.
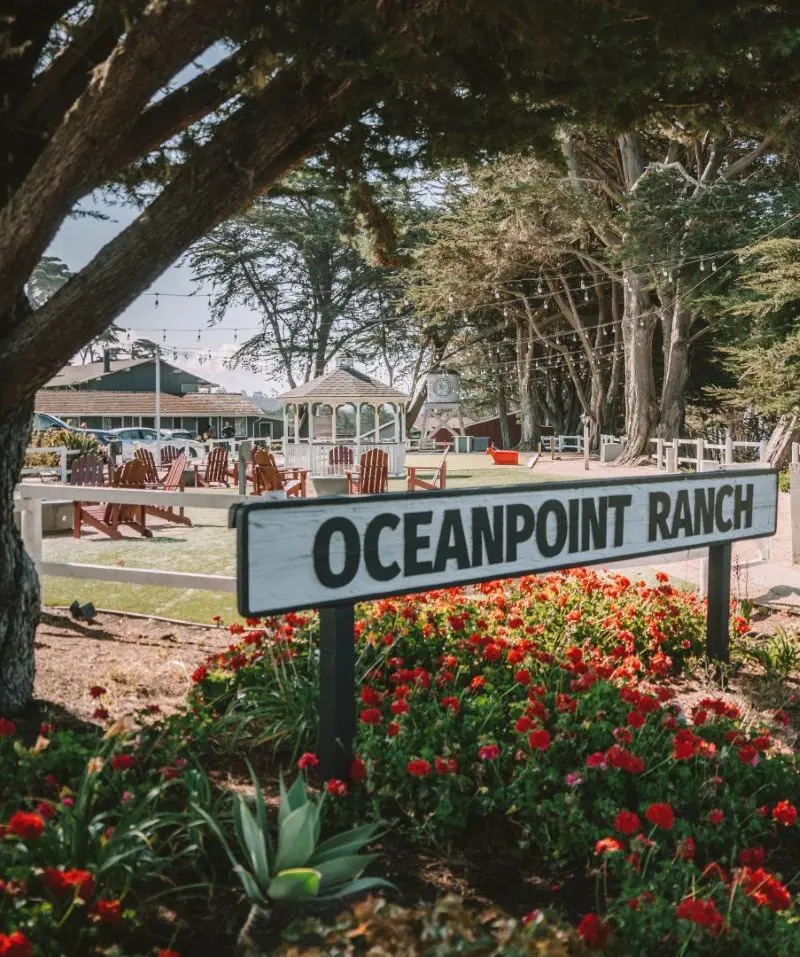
[(106, 361), (344, 361)]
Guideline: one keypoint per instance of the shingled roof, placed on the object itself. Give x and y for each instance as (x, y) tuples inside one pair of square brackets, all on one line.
[(91, 371), (93, 402), (344, 384)]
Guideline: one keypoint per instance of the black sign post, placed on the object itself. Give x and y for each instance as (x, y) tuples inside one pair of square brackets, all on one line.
[(331, 553)]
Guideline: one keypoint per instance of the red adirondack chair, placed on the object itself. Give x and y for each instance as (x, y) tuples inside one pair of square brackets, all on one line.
[(108, 518), (293, 481), (340, 458), (168, 454), (439, 479), (145, 456), (173, 482), (373, 474), (215, 469)]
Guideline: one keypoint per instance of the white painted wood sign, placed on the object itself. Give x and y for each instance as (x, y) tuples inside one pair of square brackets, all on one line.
[(313, 553)]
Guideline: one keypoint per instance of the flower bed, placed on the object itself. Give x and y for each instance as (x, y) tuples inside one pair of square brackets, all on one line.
[(538, 717), (548, 704)]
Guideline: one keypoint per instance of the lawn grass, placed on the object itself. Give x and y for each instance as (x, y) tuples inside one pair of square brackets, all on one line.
[(208, 547)]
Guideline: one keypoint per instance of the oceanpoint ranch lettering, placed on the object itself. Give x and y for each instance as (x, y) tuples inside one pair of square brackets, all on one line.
[(330, 553), (315, 553)]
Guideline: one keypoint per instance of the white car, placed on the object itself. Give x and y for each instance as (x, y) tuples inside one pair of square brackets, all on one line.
[(133, 438)]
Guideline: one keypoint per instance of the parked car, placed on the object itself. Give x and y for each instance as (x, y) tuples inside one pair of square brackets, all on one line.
[(132, 438), (177, 434), (44, 421)]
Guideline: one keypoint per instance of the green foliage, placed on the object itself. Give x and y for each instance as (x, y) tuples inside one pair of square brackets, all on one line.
[(778, 654), (57, 438), (300, 867)]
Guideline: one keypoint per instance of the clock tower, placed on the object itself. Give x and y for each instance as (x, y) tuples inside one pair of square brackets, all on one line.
[(443, 402)]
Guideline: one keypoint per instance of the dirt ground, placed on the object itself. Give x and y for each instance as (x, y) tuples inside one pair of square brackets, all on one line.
[(139, 661)]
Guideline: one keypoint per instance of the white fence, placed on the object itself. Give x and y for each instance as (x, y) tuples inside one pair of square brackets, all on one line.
[(32, 497), (315, 456), (704, 455), (562, 443)]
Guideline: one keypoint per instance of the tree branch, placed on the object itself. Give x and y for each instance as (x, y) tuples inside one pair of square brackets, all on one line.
[(163, 40), (175, 113), (248, 153)]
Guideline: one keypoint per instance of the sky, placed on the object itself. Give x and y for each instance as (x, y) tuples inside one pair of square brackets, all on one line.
[(176, 321)]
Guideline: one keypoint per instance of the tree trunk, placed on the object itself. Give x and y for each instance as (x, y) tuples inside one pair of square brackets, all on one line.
[(529, 417), (779, 444), (19, 584), (502, 413), (641, 407), (676, 376)]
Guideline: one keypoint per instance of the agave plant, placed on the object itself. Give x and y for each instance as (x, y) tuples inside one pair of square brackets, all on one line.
[(298, 868)]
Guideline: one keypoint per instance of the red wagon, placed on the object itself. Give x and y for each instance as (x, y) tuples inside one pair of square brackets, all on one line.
[(503, 456)]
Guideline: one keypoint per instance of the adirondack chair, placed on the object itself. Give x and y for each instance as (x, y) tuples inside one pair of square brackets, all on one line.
[(215, 469), (340, 458), (373, 474), (108, 518), (267, 478), (168, 454), (439, 479), (293, 479), (145, 456), (173, 482)]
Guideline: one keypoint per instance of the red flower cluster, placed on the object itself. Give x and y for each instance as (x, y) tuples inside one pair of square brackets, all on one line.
[(784, 813), (15, 945), (26, 825), (63, 883), (122, 762), (702, 912), (594, 931), (764, 888), (7, 728), (661, 816), (307, 760), (419, 768), (106, 912), (336, 788), (626, 822)]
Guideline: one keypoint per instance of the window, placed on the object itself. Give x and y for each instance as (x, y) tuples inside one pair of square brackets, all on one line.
[(240, 425), (149, 421), (112, 422)]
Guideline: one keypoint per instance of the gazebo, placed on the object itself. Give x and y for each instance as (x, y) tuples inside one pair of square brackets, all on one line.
[(330, 421)]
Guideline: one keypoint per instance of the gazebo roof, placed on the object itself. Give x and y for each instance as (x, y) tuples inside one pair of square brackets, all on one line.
[(344, 384)]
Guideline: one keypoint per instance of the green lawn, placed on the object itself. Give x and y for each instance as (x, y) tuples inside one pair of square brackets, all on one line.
[(209, 547)]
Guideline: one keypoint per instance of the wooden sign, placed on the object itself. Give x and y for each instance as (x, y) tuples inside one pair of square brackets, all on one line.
[(297, 554), (306, 553)]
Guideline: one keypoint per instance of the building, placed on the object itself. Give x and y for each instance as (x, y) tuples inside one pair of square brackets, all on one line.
[(121, 394)]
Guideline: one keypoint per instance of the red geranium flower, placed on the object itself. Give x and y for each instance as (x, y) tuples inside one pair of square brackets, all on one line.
[(687, 849), (594, 931), (765, 889), (393, 729), (26, 824), (716, 817), (199, 674), (539, 740), (489, 752), (752, 857), (358, 770), (635, 719), (608, 845), (702, 912), (46, 809), (523, 676), (15, 945), (660, 815), (63, 883), (451, 702), (7, 728), (370, 716), (106, 912), (445, 766), (781, 718), (785, 813), (524, 724), (396, 707), (307, 760), (419, 768), (596, 760), (626, 822), (370, 696), (122, 762), (336, 788)]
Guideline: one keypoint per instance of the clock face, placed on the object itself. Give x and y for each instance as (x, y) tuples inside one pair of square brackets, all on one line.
[(442, 386)]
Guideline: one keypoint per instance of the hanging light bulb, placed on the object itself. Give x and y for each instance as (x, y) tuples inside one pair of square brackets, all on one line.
[(450, 299), (128, 335), (174, 353), (164, 336), (702, 266), (497, 294), (156, 300), (540, 288), (586, 296), (713, 266), (198, 335), (235, 335)]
